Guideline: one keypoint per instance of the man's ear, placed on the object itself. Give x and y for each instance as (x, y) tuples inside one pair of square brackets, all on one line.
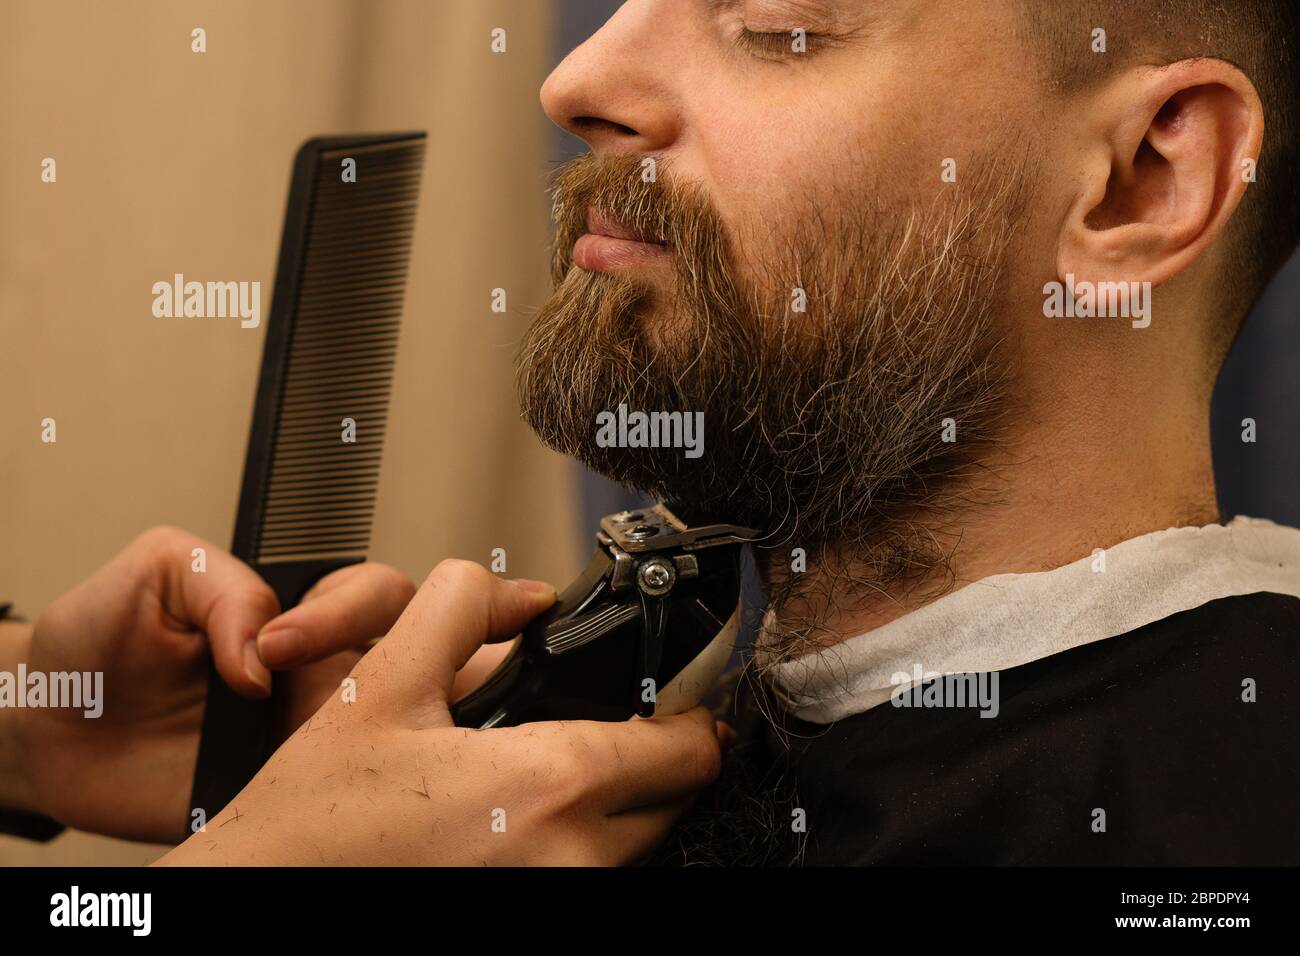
[(1168, 154)]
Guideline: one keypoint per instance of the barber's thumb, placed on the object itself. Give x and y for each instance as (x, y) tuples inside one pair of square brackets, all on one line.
[(459, 607)]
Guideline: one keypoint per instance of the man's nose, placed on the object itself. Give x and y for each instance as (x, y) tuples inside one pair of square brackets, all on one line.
[(615, 90)]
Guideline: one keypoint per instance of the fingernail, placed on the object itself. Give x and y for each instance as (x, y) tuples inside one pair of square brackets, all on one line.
[(534, 587), (282, 648), (253, 668)]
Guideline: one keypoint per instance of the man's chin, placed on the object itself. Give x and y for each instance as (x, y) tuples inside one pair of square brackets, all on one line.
[(695, 484)]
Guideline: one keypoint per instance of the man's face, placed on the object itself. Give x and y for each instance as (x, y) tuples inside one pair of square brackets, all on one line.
[(826, 193)]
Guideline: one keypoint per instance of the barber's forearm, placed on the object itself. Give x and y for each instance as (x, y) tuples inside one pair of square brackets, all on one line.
[(15, 793)]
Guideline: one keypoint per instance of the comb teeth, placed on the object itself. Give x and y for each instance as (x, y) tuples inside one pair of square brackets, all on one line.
[(320, 490)]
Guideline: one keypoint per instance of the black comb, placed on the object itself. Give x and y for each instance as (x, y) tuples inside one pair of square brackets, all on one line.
[(308, 496)]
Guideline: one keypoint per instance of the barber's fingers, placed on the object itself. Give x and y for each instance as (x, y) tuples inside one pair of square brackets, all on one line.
[(632, 834), (344, 609), (637, 763), (480, 667), (459, 607), (218, 594)]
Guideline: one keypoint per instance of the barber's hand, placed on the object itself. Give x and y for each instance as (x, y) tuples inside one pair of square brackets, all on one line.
[(318, 664), (148, 622), (388, 779)]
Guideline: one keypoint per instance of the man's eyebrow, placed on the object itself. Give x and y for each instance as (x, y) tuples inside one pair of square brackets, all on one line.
[(821, 14), (810, 7)]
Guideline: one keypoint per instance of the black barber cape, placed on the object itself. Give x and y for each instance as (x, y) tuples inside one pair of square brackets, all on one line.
[(1138, 749)]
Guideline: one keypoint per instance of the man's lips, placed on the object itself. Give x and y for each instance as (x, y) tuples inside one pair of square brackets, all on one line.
[(609, 246)]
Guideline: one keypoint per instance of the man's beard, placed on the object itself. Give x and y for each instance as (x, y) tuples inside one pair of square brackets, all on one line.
[(824, 428)]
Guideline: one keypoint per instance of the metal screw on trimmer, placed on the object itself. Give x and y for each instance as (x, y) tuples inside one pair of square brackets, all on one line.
[(656, 578)]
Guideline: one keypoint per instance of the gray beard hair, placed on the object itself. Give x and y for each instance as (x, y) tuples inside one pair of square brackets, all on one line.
[(824, 427)]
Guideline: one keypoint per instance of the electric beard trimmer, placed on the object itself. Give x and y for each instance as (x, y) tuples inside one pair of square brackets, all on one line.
[(646, 629), (308, 493)]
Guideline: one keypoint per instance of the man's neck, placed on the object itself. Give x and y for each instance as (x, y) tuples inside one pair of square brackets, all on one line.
[(1069, 482)]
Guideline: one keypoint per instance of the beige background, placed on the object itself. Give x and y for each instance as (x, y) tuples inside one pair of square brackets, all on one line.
[(171, 161)]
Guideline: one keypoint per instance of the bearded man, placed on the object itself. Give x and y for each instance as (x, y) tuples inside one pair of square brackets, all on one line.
[(951, 284)]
